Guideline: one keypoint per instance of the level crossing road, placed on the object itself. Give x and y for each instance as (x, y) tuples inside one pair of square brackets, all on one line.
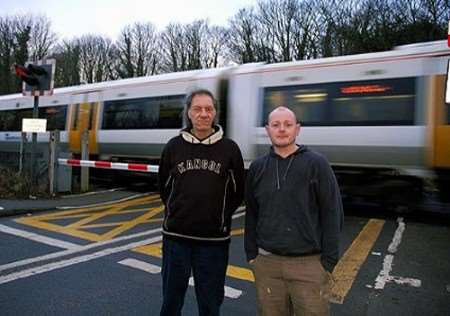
[(106, 260)]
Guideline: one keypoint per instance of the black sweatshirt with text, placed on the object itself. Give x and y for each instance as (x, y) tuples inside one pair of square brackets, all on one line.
[(201, 183)]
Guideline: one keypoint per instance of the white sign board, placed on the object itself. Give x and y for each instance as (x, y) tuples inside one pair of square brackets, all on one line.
[(447, 86), (34, 125)]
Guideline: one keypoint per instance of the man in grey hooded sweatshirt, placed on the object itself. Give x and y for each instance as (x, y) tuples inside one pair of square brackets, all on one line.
[(293, 221)]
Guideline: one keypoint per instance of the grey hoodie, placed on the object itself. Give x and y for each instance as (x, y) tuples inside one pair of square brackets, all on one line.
[(293, 207)]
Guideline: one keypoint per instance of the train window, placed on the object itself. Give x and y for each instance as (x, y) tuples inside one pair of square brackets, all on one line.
[(171, 112), (308, 103), (11, 120), (144, 113), (375, 102), (378, 102), (55, 116)]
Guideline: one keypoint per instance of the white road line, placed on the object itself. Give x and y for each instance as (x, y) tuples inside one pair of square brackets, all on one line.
[(239, 212), (229, 291), (232, 292), (385, 274), (39, 238), (72, 251), (408, 281), (141, 265), (393, 246), (154, 269), (79, 248), (65, 263), (91, 193), (87, 247)]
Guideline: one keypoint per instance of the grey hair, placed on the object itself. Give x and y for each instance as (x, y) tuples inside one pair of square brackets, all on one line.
[(188, 104)]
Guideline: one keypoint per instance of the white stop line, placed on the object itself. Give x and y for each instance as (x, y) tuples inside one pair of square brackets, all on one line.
[(385, 274)]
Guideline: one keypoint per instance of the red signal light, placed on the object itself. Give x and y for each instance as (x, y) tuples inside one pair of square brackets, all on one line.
[(26, 75)]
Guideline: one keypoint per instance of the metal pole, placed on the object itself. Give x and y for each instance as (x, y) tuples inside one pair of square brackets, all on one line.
[(34, 141), (53, 166), (84, 156), (23, 140)]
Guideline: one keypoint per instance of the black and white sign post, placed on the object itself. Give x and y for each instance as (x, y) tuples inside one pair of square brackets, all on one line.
[(37, 80)]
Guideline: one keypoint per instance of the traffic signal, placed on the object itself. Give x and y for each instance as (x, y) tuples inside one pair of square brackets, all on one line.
[(30, 74), (37, 77)]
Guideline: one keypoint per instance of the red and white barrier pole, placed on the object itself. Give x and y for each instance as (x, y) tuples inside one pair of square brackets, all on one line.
[(109, 165)]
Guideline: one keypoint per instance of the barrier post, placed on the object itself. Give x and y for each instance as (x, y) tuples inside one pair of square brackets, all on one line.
[(84, 156), (33, 144), (23, 140), (53, 166)]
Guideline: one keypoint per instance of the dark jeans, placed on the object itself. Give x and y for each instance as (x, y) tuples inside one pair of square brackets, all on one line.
[(208, 263)]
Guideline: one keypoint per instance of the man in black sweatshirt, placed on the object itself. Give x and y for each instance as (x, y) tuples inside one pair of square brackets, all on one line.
[(201, 184), (293, 220)]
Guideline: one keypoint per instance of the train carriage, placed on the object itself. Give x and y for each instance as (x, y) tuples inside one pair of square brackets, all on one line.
[(380, 118)]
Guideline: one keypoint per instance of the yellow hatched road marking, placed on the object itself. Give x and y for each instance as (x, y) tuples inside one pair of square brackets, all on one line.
[(240, 273), (91, 214), (236, 232), (130, 224), (112, 224), (59, 229), (80, 212), (111, 211), (348, 266), (344, 274), (154, 250)]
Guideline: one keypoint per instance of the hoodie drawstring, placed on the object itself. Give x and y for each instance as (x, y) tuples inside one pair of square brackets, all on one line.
[(285, 173)]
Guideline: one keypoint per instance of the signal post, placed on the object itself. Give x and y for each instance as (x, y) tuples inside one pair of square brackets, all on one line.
[(37, 80)]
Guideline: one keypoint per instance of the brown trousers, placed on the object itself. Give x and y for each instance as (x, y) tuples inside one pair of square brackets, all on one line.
[(297, 286)]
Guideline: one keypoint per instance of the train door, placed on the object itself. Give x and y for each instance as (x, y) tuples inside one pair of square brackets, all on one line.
[(440, 119), (84, 117)]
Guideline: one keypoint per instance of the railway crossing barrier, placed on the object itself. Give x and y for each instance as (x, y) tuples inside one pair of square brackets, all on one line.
[(108, 165)]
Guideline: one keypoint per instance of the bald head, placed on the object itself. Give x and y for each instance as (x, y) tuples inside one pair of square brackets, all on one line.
[(282, 111), (282, 128)]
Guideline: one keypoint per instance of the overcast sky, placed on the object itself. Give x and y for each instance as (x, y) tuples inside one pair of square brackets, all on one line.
[(108, 17)]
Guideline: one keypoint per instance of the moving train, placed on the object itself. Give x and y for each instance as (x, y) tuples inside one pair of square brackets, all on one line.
[(380, 118)]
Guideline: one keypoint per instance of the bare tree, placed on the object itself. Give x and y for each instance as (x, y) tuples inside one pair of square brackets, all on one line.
[(137, 50), (243, 33), (96, 58), (14, 38), (214, 51), (277, 18), (187, 47), (7, 84), (305, 34), (173, 50), (42, 38), (194, 35), (421, 20), (67, 55)]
